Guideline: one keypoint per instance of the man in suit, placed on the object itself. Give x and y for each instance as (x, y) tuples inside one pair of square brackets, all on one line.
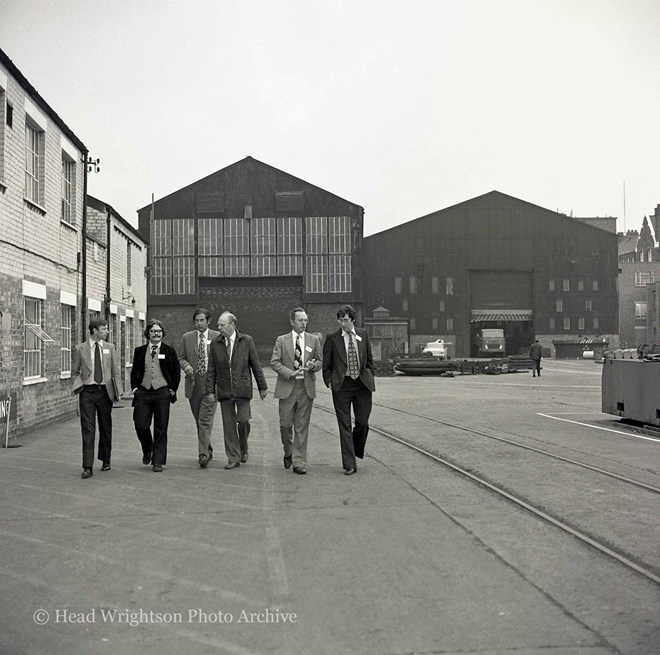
[(232, 361), (536, 354), (95, 374), (193, 358), (296, 358), (155, 377), (348, 371)]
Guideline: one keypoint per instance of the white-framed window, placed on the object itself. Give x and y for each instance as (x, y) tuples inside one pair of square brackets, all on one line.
[(450, 325), (559, 305), (449, 286), (317, 274), (68, 214), (551, 285), (237, 247), (580, 324), (263, 246), (441, 306), (641, 256), (567, 285), (183, 275), (33, 341), (328, 243), (642, 278), (173, 242), (34, 167), (398, 286), (640, 310), (339, 273), (567, 323), (588, 306), (66, 328), (289, 246)]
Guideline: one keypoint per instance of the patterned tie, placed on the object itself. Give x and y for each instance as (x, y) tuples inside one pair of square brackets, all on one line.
[(228, 344), (297, 362), (201, 356), (153, 351), (98, 367), (353, 366)]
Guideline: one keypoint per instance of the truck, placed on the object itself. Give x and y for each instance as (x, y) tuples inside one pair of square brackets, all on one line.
[(491, 342)]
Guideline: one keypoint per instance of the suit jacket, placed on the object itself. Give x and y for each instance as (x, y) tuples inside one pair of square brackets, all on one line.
[(234, 381), (81, 368), (188, 355), (536, 351), (335, 362), (282, 363), (169, 367)]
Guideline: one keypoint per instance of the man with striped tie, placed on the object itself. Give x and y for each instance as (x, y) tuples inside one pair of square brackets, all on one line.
[(296, 358)]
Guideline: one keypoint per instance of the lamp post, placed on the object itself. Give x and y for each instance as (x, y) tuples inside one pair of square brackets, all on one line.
[(90, 165)]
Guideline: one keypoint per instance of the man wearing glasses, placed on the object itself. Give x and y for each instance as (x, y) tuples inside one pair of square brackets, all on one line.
[(155, 378)]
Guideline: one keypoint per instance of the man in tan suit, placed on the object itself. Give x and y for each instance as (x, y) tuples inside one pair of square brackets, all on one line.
[(95, 374), (296, 358), (193, 358)]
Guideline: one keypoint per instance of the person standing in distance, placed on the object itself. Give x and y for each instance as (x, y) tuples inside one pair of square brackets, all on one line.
[(348, 371), (536, 354), (95, 374), (155, 377), (232, 362), (193, 359), (296, 358)]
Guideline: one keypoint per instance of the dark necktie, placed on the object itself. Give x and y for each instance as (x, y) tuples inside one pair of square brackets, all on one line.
[(353, 366), (297, 362), (98, 367), (201, 356), (153, 351), (228, 344)]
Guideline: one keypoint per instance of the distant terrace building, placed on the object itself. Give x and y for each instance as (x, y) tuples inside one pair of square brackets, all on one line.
[(496, 261), (256, 241)]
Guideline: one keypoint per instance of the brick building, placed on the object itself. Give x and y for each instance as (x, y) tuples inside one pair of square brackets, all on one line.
[(496, 262), (256, 241)]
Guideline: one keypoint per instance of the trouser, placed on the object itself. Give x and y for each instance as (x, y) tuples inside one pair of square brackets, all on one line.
[(203, 411), (236, 427), (152, 404), (352, 393), (295, 412), (95, 403), (536, 370)]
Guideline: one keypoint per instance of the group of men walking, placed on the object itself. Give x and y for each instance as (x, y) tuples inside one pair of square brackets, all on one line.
[(219, 367)]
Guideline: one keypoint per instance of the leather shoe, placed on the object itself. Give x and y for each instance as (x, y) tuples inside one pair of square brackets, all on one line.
[(86, 473), (232, 465), (105, 466), (299, 470), (146, 459), (157, 468), (349, 471), (203, 461), (244, 458), (287, 462)]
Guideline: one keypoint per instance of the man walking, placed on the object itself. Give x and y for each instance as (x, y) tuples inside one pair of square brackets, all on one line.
[(535, 354), (155, 377), (95, 374), (348, 370), (193, 358), (296, 358), (232, 362)]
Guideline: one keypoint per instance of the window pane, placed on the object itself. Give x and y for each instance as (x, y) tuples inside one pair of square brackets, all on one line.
[(289, 236), (264, 266), (210, 236), (289, 265), (339, 230), (210, 266), (237, 266), (162, 238), (316, 279), (183, 236), (183, 275), (317, 231), (339, 273), (263, 240), (237, 238)]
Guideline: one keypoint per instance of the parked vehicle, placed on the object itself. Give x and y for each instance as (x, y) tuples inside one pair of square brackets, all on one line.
[(437, 348), (492, 343)]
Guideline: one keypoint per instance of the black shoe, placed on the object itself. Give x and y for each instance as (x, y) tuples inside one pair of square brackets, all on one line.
[(349, 471), (86, 473), (299, 470), (146, 459), (287, 462), (244, 458), (106, 466), (157, 468), (210, 453), (232, 465), (203, 461)]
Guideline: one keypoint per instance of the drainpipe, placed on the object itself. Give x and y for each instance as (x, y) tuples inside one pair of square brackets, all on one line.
[(83, 309), (107, 266)]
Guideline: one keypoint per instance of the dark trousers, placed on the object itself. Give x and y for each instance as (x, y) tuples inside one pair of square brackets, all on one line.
[(203, 410), (95, 403), (352, 393), (236, 417), (536, 370), (148, 405)]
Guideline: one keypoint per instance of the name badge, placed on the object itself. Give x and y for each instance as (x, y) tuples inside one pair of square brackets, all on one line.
[(106, 351), (208, 342), (358, 337), (308, 349), (161, 356)]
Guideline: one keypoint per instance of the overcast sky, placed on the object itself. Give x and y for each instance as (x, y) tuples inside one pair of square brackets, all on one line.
[(402, 107)]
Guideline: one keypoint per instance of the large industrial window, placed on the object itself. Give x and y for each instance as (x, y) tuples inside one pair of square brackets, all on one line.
[(328, 254), (289, 246), (173, 262), (642, 278), (640, 310), (209, 232), (237, 247), (68, 196), (65, 342), (263, 245), (34, 169)]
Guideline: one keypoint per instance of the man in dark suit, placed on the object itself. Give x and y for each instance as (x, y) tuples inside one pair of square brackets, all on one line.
[(232, 361), (95, 374), (155, 378), (296, 358), (193, 358), (536, 354), (348, 371)]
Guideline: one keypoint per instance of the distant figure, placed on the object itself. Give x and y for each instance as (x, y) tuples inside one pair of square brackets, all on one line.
[(296, 358), (535, 354), (232, 362)]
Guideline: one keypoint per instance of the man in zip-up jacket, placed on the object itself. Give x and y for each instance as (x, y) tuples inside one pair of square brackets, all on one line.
[(232, 362)]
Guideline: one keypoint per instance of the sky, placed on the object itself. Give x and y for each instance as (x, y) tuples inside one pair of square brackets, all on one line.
[(404, 108)]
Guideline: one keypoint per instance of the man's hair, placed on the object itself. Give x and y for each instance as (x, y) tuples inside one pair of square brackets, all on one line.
[(96, 323), (230, 317), (150, 324), (347, 310), (292, 313), (202, 310)]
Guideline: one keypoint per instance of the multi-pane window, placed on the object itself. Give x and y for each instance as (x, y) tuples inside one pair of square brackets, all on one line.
[(449, 286), (289, 246), (209, 232), (113, 335), (559, 305), (237, 247), (328, 254), (173, 262), (129, 264), (34, 139), (263, 246), (183, 275), (130, 340), (640, 310), (65, 342), (68, 196), (642, 278), (33, 345)]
